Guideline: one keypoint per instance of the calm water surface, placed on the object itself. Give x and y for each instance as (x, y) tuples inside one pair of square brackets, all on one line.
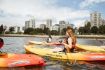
[(15, 45)]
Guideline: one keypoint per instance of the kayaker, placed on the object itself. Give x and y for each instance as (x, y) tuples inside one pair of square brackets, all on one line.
[(1, 43), (49, 39), (70, 41)]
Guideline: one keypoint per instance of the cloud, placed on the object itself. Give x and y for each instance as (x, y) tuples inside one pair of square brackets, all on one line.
[(87, 3), (21, 10), (24, 7), (79, 22)]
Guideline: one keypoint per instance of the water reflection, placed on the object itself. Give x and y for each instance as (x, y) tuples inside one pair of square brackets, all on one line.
[(23, 68)]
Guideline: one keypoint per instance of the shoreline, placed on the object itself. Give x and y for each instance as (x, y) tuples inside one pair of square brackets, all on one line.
[(58, 36)]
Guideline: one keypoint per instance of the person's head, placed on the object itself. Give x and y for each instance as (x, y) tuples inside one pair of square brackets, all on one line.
[(69, 31), (50, 36)]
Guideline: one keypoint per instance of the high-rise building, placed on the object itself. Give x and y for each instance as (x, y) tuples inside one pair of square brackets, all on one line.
[(30, 24), (42, 26), (27, 24), (62, 25), (95, 19), (49, 23)]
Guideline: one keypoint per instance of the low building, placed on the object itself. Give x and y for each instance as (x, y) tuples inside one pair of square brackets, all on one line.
[(55, 27)]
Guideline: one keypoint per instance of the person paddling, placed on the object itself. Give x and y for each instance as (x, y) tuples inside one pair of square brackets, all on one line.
[(49, 39), (70, 41)]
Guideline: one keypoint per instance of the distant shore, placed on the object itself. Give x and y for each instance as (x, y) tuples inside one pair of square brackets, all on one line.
[(58, 36), (91, 36)]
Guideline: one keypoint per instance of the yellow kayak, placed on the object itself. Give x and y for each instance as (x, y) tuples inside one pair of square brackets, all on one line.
[(91, 48), (79, 46), (79, 56), (45, 43)]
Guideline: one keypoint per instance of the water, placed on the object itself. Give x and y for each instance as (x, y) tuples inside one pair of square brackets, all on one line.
[(15, 45)]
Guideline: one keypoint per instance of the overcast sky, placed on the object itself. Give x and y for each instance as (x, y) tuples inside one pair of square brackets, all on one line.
[(16, 12)]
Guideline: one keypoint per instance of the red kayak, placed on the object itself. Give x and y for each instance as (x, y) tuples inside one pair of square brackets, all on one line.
[(16, 60)]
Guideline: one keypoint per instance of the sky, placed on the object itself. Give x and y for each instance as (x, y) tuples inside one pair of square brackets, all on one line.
[(16, 12)]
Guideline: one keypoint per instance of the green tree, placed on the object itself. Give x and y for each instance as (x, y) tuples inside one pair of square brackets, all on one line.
[(81, 30), (54, 32), (39, 30), (1, 29), (46, 30), (87, 28), (11, 29), (29, 31), (63, 31), (94, 30), (102, 29)]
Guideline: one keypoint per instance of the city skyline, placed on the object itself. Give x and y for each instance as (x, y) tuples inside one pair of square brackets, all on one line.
[(16, 12)]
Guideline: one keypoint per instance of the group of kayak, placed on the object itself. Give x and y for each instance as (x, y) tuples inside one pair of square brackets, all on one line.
[(71, 51), (83, 53)]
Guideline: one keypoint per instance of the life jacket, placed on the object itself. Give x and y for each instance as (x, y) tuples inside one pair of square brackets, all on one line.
[(73, 44), (49, 40), (69, 49)]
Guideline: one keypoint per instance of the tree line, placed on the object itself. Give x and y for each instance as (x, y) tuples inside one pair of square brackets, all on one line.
[(2, 29), (33, 31), (46, 31), (87, 29), (10, 31)]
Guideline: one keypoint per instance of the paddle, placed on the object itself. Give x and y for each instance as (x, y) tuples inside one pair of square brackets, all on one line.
[(9, 44), (45, 43), (38, 43), (100, 41), (103, 44)]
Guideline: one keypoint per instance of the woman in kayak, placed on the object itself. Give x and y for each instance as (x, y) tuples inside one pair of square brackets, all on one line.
[(70, 41)]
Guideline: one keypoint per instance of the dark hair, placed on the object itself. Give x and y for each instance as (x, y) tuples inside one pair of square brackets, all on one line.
[(1, 40), (50, 36), (68, 28)]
